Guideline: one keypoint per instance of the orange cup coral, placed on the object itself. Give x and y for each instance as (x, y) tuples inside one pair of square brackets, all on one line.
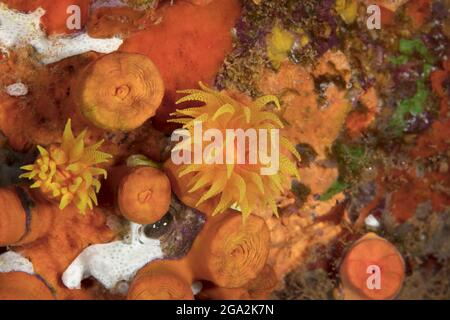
[(144, 195), (68, 172), (233, 182), (23, 286), (372, 269), (119, 91)]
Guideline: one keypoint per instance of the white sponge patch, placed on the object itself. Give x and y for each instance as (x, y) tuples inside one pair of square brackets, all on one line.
[(19, 29), (113, 262), (12, 261)]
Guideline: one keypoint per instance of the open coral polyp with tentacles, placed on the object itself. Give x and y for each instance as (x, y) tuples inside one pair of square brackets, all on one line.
[(234, 184), (68, 172)]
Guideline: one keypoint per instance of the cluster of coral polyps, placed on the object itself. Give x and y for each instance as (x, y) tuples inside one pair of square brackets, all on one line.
[(82, 206), (92, 207), (118, 93), (226, 254)]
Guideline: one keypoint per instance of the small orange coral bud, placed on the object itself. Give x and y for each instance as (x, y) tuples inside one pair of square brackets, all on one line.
[(372, 269), (144, 195)]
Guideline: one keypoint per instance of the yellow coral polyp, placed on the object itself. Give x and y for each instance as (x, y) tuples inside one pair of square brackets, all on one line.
[(347, 9), (234, 185), (279, 43), (68, 172)]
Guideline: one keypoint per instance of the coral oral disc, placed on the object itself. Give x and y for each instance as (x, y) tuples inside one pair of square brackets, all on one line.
[(130, 92)]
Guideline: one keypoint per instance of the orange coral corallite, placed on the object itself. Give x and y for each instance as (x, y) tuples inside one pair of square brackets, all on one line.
[(371, 257), (233, 183)]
